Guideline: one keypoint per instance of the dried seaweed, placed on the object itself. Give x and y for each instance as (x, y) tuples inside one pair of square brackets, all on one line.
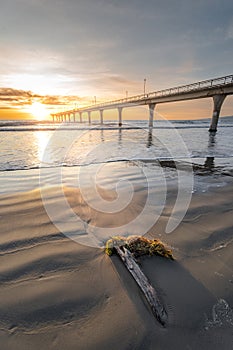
[(138, 246)]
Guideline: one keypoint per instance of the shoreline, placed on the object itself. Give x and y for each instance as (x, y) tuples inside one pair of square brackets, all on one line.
[(206, 173)]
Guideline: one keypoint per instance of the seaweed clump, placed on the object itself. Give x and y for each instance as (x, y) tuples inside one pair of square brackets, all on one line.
[(138, 246)]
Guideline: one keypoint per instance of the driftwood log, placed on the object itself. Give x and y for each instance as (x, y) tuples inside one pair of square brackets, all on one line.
[(147, 289)]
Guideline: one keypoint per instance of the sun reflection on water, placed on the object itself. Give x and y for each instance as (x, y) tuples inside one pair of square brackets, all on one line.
[(42, 139)]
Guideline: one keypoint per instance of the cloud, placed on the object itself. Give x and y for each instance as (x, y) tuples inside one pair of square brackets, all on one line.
[(117, 79), (11, 98), (229, 31), (15, 93), (104, 47), (60, 100)]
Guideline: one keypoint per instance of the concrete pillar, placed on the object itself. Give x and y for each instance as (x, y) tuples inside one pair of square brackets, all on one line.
[(218, 101), (120, 115), (80, 117), (53, 116), (101, 116), (74, 117), (69, 117), (89, 117), (151, 115)]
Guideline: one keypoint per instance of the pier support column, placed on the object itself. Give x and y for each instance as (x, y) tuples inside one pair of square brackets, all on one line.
[(53, 116), (101, 116), (89, 117), (69, 117), (120, 115), (218, 101), (74, 117), (80, 117), (151, 115)]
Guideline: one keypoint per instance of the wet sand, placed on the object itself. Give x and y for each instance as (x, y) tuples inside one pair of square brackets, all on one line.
[(58, 294)]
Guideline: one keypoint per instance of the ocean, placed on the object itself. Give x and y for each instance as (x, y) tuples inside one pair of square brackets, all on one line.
[(24, 143), (33, 154), (180, 154)]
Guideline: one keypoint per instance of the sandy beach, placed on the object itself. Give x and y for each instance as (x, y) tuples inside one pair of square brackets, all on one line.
[(116, 125), (58, 294)]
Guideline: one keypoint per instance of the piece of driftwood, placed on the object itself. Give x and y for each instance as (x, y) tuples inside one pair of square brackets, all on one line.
[(147, 289)]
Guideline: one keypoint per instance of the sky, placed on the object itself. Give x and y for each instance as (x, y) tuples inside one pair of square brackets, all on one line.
[(61, 54)]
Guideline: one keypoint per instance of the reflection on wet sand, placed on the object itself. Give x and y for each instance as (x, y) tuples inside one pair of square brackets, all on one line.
[(149, 138), (209, 163)]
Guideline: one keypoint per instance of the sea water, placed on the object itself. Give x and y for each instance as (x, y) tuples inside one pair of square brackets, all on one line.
[(26, 147)]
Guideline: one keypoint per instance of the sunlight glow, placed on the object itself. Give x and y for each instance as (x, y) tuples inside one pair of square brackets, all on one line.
[(42, 138), (40, 83), (38, 110)]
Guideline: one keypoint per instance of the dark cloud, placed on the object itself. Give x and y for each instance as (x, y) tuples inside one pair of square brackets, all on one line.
[(15, 93), (10, 98), (114, 44)]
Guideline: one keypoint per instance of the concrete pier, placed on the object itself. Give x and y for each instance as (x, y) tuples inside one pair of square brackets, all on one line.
[(151, 114), (217, 88), (218, 101)]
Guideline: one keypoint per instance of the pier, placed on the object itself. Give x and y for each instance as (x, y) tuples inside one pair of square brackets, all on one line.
[(217, 89)]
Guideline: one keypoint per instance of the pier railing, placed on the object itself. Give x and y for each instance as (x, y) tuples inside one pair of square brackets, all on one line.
[(217, 88), (179, 90)]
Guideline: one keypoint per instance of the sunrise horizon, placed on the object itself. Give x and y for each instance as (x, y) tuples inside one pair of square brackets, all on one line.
[(59, 57), (28, 105)]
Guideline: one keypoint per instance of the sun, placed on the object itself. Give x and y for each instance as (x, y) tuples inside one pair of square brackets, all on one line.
[(38, 110)]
